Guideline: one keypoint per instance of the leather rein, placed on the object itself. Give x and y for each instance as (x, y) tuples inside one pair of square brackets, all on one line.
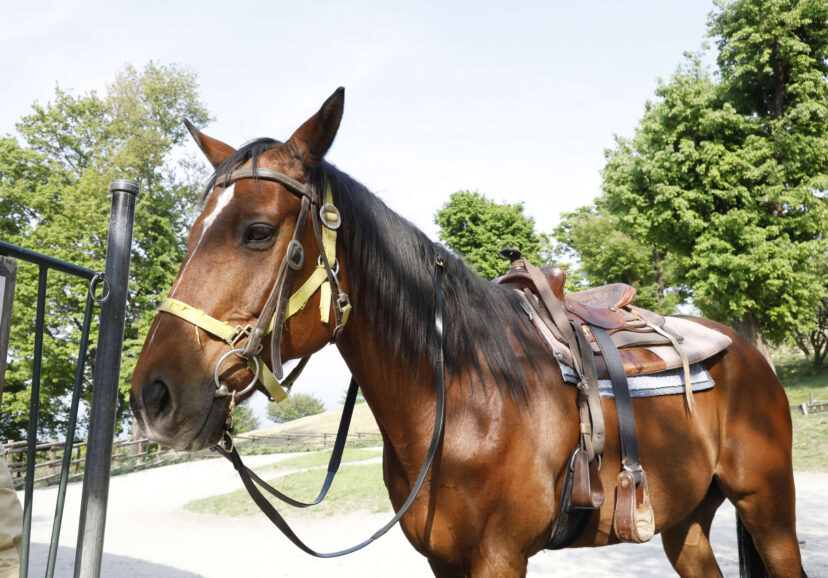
[(251, 480), (278, 307)]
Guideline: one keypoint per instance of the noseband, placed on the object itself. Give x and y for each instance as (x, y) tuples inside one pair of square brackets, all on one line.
[(280, 305)]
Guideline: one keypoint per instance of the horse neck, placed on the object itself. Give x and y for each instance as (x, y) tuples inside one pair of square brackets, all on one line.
[(401, 396)]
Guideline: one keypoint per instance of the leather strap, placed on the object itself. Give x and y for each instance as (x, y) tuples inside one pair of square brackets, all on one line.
[(589, 398), (685, 363), (277, 301), (440, 413), (229, 335), (266, 175), (623, 402), (582, 358), (333, 463)]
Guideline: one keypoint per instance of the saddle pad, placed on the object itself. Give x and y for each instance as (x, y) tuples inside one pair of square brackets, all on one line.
[(697, 341), (668, 382)]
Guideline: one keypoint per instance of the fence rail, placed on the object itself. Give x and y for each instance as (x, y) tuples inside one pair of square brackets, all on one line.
[(123, 452), (323, 440), (811, 406), (145, 451)]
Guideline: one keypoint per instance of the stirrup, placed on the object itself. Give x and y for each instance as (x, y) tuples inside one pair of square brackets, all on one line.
[(633, 519), (587, 489)]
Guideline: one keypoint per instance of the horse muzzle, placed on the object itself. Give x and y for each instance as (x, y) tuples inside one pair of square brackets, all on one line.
[(191, 426)]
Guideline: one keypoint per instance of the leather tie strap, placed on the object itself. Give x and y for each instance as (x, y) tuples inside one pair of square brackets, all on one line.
[(623, 402), (333, 463)]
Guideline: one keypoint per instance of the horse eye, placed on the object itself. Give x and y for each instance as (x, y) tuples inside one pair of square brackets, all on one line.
[(259, 233)]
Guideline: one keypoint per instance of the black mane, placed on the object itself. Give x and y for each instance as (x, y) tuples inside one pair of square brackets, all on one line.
[(393, 266), (393, 272)]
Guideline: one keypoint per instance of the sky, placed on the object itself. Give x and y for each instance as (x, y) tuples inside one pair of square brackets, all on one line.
[(517, 100)]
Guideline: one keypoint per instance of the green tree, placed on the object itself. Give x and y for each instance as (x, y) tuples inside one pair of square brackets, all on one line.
[(730, 173), (244, 419), (607, 254), (295, 406), (53, 197), (477, 228)]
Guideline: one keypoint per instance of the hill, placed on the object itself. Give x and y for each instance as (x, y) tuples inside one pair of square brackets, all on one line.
[(324, 423)]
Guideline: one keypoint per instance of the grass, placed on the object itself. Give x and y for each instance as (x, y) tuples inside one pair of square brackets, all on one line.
[(356, 488), (317, 459), (810, 432)]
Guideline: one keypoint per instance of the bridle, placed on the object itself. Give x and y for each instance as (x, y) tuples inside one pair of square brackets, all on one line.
[(246, 342), (279, 307)]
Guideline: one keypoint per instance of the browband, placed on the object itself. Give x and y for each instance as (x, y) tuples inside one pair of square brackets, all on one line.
[(266, 174)]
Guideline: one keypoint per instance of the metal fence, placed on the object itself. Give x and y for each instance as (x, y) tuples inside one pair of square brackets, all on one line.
[(114, 283)]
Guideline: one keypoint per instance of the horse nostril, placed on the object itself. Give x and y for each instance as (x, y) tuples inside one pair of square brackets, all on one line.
[(156, 398)]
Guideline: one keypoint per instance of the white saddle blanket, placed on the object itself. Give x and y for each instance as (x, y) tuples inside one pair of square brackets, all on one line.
[(663, 383)]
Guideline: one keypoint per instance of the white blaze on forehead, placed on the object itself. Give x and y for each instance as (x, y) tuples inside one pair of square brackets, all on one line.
[(222, 201)]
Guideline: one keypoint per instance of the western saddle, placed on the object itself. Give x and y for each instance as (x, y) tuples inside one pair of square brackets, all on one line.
[(601, 335)]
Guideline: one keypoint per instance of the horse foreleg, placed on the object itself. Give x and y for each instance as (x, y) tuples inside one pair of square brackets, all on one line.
[(486, 563), (687, 544), (445, 570), (495, 561)]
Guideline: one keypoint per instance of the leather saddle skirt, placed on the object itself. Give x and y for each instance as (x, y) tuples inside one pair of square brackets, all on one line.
[(643, 349)]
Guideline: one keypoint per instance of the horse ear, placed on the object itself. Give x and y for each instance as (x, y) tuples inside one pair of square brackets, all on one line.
[(313, 139), (216, 151)]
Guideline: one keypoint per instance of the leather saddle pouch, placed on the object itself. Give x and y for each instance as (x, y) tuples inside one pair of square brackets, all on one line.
[(587, 489), (633, 519)]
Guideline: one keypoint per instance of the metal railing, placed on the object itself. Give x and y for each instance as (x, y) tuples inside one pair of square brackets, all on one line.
[(106, 377)]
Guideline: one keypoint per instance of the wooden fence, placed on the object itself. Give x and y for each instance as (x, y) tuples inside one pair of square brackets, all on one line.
[(811, 406), (50, 458), (303, 440), (130, 454)]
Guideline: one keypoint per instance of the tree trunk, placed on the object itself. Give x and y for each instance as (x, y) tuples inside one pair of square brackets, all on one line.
[(659, 271), (750, 328)]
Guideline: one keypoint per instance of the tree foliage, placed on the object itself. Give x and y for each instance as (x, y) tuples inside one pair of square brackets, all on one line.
[(727, 173), (53, 199), (607, 254), (477, 228), (295, 406), (244, 419)]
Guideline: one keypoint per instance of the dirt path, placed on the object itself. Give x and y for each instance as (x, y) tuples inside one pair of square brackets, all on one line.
[(148, 534)]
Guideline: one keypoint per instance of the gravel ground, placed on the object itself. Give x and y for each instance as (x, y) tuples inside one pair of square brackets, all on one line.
[(148, 534)]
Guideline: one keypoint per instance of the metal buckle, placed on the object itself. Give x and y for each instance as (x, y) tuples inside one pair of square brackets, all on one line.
[(241, 333), (334, 269), (330, 217), (342, 301), (295, 255)]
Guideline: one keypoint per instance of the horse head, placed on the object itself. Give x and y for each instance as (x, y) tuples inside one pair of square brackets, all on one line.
[(252, 288)]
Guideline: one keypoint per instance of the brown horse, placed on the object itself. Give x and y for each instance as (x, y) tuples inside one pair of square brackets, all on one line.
[(489, 502)]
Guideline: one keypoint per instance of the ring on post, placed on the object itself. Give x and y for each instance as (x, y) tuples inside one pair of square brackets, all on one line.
[(93, 284), (221, 389)]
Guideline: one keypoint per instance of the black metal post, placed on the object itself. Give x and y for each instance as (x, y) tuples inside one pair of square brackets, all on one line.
[(34, 412), (70, 438), (106, 380)]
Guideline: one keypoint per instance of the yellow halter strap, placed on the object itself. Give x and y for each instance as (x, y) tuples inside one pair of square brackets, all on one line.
[(318, 281)]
